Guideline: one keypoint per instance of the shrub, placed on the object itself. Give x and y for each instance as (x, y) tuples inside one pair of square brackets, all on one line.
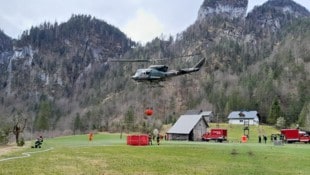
[(21, 142), (4, 137)]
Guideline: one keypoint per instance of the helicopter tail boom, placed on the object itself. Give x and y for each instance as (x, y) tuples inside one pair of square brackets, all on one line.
[(193, 69), (200, 63)]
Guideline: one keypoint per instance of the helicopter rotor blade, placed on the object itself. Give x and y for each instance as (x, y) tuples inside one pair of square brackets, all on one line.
[(149, 60), (134, 60), (128, 60)]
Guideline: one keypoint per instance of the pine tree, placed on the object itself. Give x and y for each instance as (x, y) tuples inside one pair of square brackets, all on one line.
[(275, 112), (304, 117), (129, 119), (77, 123), (44, 114)]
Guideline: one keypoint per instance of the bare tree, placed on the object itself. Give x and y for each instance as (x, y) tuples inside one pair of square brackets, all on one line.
[(19, 124)]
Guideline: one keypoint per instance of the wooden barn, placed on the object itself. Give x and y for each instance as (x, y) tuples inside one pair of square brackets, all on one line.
[(189, 127)]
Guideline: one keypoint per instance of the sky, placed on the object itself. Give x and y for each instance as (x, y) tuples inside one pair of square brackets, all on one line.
[(140, 20)]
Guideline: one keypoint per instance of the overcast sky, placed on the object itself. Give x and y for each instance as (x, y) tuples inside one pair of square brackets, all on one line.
[(141, 20)]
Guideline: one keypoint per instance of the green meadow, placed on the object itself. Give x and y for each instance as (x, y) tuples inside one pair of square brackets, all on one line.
[(108, 154)]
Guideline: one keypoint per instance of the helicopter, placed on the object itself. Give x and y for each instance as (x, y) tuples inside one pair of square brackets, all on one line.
[(158, 73)]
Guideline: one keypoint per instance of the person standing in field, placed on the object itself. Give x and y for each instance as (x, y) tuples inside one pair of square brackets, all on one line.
[(265, 138), (150, 139), (90, 136), (158, 139)]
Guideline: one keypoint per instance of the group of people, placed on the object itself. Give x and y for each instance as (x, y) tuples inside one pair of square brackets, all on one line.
[(153, 138), (260, 139), (275, 137), (38, 142)]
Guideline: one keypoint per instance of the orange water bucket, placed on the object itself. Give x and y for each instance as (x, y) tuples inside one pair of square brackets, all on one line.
[(244, 139)]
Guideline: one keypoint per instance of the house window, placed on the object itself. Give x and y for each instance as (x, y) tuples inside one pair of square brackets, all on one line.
[(241, 121)]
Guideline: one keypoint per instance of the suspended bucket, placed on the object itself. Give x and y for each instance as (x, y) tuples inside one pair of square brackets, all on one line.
[(148, 112)]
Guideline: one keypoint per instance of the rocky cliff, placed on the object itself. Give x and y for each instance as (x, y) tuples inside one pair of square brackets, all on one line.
[(226, 8)]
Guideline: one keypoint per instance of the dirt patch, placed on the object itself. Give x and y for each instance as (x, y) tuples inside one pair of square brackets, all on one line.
[(11, 148), (7, 149)]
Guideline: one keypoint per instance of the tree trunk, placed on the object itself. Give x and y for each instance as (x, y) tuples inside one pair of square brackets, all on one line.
[(16, 131)]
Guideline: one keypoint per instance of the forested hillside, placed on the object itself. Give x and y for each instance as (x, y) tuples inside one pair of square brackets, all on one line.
[(59, 78), (5, 43)]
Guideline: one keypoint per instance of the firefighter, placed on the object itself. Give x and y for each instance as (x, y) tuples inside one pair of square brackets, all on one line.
[(90, 136), (265, 139), (41, 139), (158, 139), (150, 139), (38, 142)]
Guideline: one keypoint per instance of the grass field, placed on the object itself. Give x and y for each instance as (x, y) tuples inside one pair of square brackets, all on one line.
[(108, 154)]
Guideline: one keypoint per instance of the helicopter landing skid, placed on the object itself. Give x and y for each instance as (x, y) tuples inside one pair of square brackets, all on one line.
[(156, 85), (152, 84)]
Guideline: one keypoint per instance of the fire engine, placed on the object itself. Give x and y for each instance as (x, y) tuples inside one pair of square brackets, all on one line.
[(219, 135), (295, 135)]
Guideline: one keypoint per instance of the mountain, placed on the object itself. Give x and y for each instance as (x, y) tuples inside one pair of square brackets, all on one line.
[(273, 15), (55, 57), (225, 8), (59, 75), (61, 64)]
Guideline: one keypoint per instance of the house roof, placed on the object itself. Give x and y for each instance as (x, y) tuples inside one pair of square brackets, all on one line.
[(185, 124), (198, 112), (204, 113), (243, 115), (193, 112)]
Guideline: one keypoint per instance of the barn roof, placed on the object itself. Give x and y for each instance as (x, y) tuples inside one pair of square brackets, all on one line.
[(198, 112), (185, 124), (243, 115), (193, 112), (206, 113)]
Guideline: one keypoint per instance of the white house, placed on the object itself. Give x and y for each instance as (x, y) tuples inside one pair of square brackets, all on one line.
[(242, 117)]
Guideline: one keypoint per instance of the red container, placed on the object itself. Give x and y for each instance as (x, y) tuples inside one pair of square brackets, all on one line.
[(148, 112), (244, 139), (138, 140)]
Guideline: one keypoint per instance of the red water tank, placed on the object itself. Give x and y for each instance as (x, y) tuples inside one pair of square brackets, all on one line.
[(138, 140)]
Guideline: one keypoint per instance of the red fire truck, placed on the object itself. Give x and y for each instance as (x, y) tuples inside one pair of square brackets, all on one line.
[(295, 135), (219, 135)]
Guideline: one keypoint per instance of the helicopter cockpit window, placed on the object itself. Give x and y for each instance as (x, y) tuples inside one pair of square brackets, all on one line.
[(138, 72)]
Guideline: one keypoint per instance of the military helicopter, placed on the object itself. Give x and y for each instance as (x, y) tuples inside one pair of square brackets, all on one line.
[(158, 73), (155, 74)]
